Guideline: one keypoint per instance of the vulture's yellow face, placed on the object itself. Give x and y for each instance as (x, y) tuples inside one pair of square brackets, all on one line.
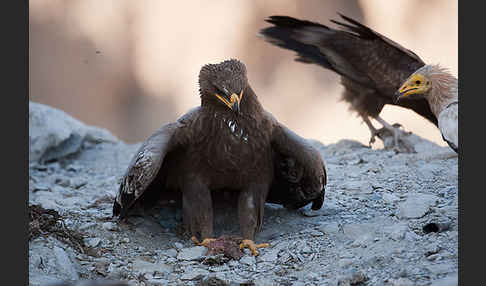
[(417, 84)]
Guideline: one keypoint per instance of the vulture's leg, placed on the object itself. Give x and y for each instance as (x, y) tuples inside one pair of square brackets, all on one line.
[(197, 210), (250, 213), (373, 130), (391, 128), (398, 137)]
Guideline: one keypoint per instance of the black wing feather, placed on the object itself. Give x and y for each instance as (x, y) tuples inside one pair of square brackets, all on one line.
[(368, 59)]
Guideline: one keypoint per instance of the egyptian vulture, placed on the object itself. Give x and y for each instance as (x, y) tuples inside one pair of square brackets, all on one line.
[(372, 67), (440, 88)]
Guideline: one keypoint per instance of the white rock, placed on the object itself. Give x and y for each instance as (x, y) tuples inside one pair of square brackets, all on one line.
[(451, 280), (157, 282), (270, 255), (402, 282), (364, 187), (416, 206), (432, 249), (411, 236), (248, 260), (194, 274), (143, 267), (439, 268), (92, 242), (356, 230), (170, 252), (329, 228), (316, 233), (110, 226), (264, 282), (192, 253), (35, 260), (36, 279), (389, 198), (363, 241), (54, 134), (345, 262), (233, 263), (396, 231), (64, 264)]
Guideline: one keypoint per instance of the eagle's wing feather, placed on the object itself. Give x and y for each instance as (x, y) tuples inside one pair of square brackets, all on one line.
[(365, 59), (299, 174), (147, 161)]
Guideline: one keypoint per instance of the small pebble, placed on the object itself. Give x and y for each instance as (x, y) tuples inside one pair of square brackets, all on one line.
[(110, 226), (92, 242)]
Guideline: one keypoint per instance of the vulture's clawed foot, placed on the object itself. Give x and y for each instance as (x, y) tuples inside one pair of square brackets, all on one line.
[(395, 138), (374, 133), (248, 243), (205, 241)]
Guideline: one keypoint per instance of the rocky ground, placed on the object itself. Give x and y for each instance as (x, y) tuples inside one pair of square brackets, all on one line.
[(387, 219)]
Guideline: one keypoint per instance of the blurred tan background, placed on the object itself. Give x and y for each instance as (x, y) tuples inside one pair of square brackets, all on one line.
[(131, 66)]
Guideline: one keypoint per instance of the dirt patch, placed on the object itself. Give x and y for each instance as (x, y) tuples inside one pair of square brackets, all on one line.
[(43, 222)]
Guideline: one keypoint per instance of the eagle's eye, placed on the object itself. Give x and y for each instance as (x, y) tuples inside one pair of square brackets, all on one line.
[(417, 82)]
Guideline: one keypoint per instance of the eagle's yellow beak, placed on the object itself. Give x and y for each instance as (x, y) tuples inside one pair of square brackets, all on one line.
[(233, 102)]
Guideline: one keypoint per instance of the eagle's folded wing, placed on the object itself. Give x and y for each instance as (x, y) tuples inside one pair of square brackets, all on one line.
[(299, 173), (145, 165)]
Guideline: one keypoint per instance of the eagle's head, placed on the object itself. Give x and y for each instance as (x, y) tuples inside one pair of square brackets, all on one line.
[(224, 83)]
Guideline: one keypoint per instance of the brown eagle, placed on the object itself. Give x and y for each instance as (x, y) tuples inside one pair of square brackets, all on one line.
[(372, 67), (229, 143)]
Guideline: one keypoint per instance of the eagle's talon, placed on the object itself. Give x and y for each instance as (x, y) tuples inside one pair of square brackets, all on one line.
[(248, 243), (205, 241)]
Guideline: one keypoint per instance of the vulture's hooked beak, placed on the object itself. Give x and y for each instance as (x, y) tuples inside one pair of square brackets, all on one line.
[(232, 101), (403, 91), (396, 96)]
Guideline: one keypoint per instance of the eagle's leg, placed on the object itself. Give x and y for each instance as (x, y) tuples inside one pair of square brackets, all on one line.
[(398, 137), (197, 210), (250, 212)]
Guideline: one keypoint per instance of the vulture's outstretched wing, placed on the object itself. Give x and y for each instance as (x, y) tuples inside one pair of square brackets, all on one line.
[(299, 171), (371, 65), (144, 169)]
